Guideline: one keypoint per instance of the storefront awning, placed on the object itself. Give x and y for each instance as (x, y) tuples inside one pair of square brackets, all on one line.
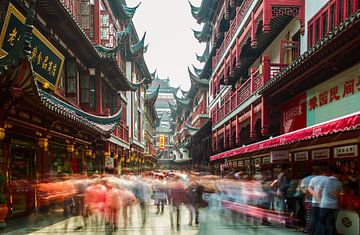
[(345, 123)]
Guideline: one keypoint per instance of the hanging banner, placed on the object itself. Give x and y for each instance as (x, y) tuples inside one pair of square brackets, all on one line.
[(293, 114), (109, 162), (46, 60), (161, 142)]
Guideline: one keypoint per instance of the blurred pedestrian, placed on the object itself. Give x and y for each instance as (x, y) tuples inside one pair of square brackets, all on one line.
[(176, 196), (330, 202)]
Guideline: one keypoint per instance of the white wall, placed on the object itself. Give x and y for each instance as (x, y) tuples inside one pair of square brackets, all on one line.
[(273, 50), (128, 96)]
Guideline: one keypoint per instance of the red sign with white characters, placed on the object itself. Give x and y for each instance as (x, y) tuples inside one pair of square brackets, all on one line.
[(293, 114)]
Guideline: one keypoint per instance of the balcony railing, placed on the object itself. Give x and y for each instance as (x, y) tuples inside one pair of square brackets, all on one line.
[(234, 25), (122, 131), (247, 89)]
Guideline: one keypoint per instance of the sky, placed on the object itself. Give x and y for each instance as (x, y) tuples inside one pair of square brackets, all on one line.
[(172, 45)]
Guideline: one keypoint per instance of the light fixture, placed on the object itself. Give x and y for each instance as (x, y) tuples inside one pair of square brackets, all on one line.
[(93, 155), (2, 133), (88, 152), (70, 148), (43, 143), (46, 85), (116, 156), (107, 154)]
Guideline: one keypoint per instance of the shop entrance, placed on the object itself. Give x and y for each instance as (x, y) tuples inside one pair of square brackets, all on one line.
[(21, 174)]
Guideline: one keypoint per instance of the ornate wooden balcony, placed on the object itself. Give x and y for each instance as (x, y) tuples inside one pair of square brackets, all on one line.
[(269, 15), (122, 131), (254, 82)]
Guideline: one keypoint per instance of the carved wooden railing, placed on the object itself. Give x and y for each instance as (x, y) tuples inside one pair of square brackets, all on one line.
[(234, 25), (255, 81)]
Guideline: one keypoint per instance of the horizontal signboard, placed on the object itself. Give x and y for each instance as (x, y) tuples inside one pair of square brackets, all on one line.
[(46, 60), (278, 156), (301, 156), (346, 151), (319, 154)]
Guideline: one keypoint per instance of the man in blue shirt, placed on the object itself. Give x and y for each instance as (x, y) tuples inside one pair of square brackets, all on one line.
[(329, 203)]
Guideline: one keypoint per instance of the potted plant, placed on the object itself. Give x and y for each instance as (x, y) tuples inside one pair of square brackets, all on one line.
[(3, 201)]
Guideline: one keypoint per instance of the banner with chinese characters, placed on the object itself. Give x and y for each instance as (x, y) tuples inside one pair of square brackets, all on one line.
[(46, 60), (293, 114), (335, 97), (162, 142)]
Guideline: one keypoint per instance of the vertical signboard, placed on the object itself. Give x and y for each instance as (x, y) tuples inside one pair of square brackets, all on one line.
[(293, 114), (161, 142)]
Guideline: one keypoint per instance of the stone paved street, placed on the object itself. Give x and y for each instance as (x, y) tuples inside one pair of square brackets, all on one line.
[(210, 223)]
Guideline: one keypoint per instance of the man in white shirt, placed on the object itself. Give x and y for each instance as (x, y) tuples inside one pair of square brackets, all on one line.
[(329, 204), (315, 186)]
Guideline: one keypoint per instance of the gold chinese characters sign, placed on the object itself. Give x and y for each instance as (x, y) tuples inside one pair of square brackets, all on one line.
[(46, 60), (162, 142)]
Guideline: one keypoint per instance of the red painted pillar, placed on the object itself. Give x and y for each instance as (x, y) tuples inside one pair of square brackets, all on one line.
[(266, 15), (264, 117), (97, 22), (225, 142), (237, 46), (265, 68), (237, 130), (98, 92), (252, 123), (252, 84), (225, 72), (253, 32), (230, 135)]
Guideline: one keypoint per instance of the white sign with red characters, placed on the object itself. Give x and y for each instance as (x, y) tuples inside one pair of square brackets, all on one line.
[(336, 97)]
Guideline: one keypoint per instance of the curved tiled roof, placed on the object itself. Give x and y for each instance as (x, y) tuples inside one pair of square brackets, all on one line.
[(205, 33)]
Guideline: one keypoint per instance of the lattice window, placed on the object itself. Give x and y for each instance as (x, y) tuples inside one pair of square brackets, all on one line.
[(285, 10), (104, 26), (85, 14), (71, 77)]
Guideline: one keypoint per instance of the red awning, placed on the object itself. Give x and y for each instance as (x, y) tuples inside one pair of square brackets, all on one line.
[(348, 122)]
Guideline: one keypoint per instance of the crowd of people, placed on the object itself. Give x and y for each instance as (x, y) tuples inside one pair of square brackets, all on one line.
[(259, 198)]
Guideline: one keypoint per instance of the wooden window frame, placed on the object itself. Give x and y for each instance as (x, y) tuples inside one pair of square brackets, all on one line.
[(71, 78)]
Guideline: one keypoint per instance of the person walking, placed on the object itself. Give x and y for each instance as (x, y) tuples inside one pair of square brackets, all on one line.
[(314, 189), (143, 192), (176, 196), (159, 195), (330, 202), (303, 186), (195, 201)]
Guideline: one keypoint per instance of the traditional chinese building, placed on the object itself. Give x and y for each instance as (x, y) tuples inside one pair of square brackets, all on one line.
[(192, 128), (284, 80), (64, 101), (151, 121), (164, 129)]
